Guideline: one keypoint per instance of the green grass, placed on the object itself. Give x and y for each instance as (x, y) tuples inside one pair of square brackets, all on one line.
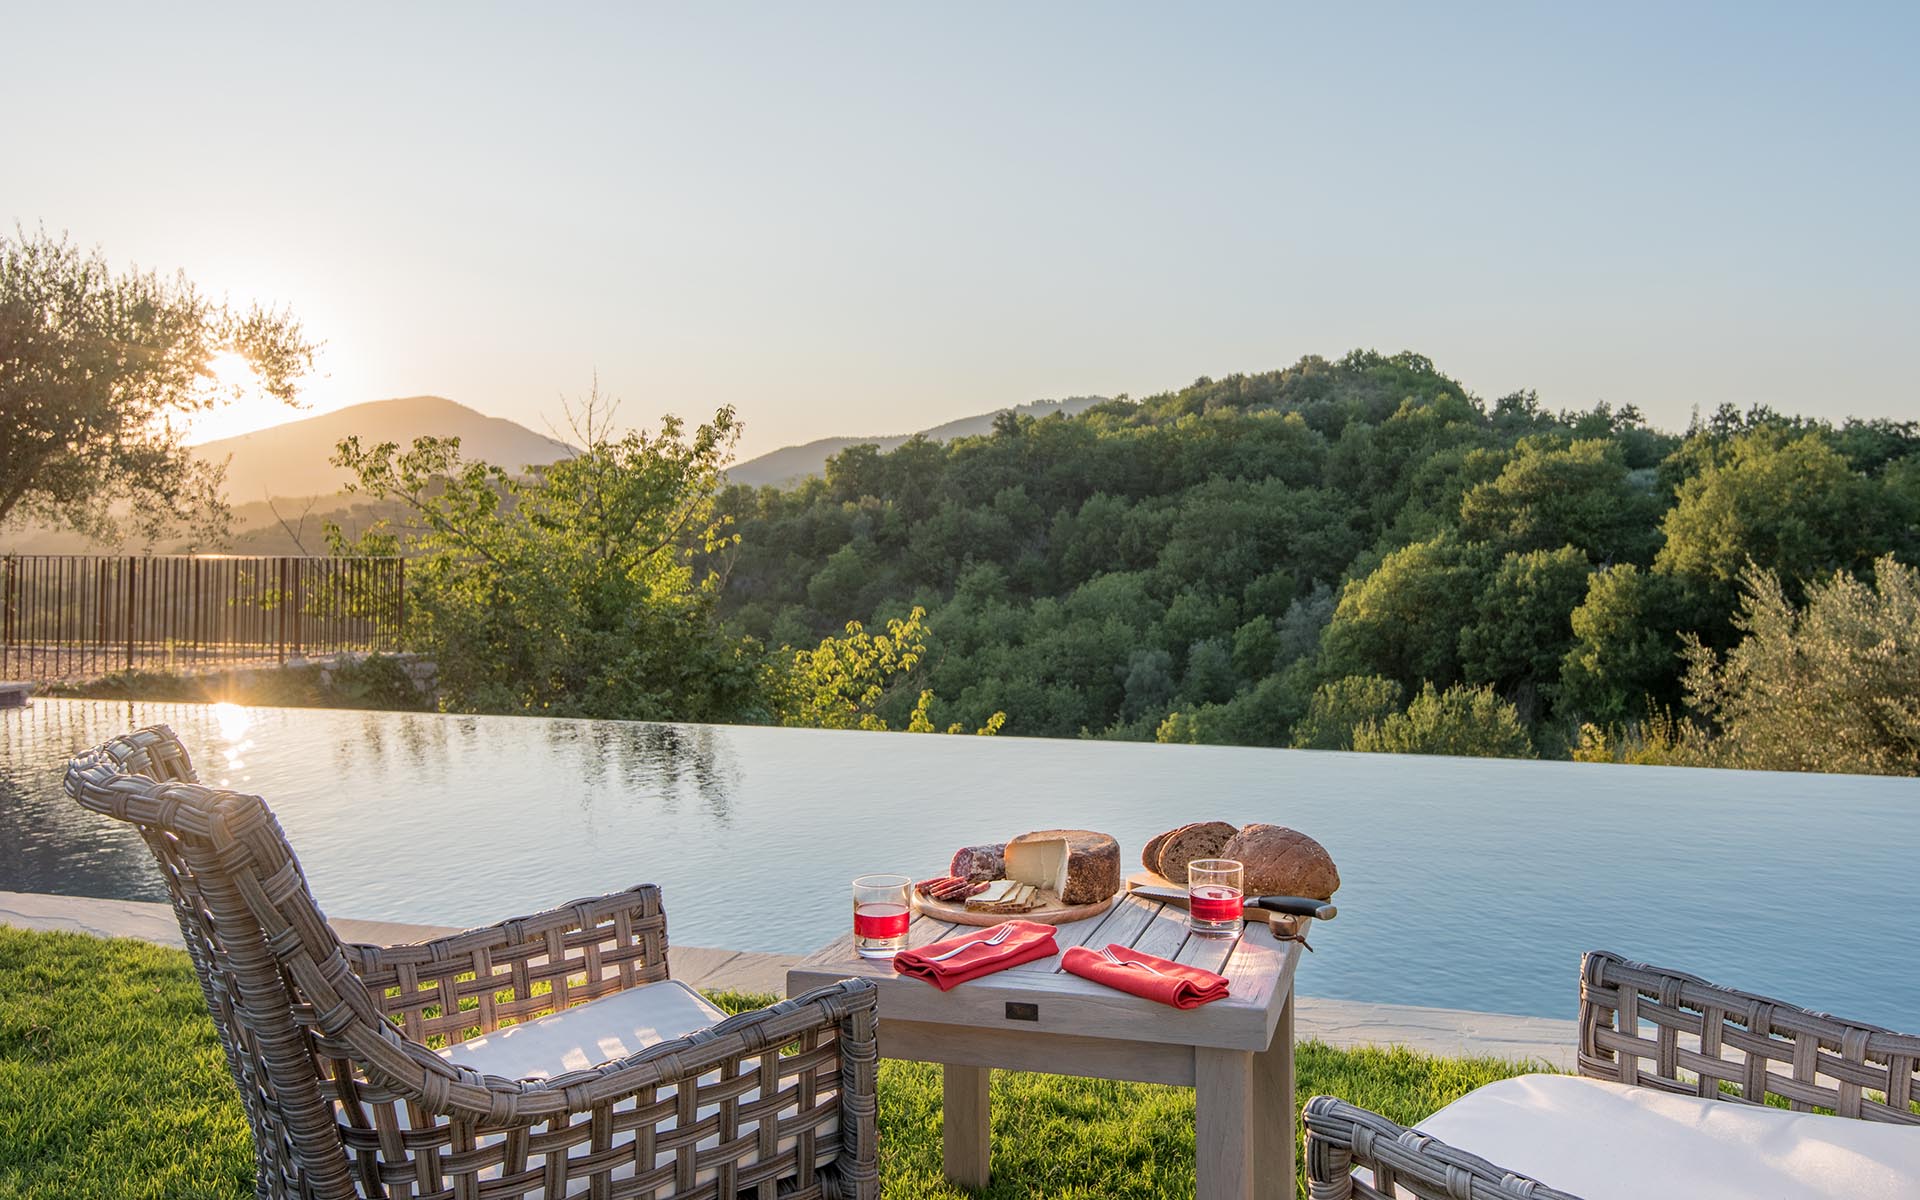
[(112, 1085)]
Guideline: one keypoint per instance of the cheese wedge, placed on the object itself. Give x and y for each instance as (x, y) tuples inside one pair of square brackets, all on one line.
[(1041, 863), (997, 893)]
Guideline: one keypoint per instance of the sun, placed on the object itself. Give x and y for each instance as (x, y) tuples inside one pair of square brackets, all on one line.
[(231, 370)]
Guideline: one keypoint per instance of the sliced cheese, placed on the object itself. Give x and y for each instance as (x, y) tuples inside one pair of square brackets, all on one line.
[(1043, 864), (997, 893)]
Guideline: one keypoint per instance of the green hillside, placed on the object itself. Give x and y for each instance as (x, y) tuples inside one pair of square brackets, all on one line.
[(1194, 565)]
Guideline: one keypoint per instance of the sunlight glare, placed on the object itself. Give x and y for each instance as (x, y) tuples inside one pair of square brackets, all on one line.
[(231, 370)]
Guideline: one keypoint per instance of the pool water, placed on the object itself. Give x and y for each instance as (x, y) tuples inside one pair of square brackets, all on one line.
[(1466, 883)]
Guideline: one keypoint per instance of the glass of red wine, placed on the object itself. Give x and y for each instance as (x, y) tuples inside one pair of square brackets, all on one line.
[(880, 915), (1216, 901)]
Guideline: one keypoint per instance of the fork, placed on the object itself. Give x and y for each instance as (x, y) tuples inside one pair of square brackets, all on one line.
[(999, 935), (1107, 953)]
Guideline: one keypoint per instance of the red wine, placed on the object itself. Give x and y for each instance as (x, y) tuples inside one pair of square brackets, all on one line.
[(880, 920), (1216, 902)]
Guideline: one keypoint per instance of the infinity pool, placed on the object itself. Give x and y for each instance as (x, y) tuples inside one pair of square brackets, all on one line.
[(1468, 883)]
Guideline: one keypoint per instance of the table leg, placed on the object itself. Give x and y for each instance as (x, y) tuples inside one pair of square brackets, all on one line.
[(966, 1124), (1223, 1124), (1276, 1114)]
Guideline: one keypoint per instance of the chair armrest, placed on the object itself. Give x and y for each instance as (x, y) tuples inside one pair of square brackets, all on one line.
[(1342, 1136), (466, 984), (1716, 1042)]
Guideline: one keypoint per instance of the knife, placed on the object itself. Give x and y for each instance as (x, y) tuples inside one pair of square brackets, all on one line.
[(1292, 906)]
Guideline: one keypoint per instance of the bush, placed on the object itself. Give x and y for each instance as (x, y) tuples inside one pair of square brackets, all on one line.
[(1472, 722)]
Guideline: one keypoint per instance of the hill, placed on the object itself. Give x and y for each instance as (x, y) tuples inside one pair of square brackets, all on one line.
[(790, 464), (291, 459)]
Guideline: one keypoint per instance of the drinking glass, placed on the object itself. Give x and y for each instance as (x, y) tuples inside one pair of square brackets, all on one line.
[(881, 914), (1216, 901)]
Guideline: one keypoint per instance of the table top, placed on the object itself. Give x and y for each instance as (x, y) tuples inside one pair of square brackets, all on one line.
[(1040, 997)]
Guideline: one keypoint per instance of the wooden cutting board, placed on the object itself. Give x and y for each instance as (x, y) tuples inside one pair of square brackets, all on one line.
[(1050, 912), (1147, 879)]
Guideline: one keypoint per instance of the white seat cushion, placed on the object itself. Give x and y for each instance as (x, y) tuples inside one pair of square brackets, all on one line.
[(590, 1034), (611, 1027), (1608, 1141)]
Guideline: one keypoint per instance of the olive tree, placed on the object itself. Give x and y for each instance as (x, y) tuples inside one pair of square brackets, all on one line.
[(100, 373)]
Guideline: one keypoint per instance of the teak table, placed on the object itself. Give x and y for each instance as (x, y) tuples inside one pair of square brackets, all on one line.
[(1236, 1053)]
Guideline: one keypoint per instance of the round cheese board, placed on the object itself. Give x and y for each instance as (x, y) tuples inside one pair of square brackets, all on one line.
[(1050, 912)]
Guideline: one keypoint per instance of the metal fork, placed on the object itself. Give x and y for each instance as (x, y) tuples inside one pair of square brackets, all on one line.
[(999, 935), (1107, 953)]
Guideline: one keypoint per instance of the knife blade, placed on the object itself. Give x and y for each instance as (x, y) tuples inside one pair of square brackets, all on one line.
[(1292, 906)]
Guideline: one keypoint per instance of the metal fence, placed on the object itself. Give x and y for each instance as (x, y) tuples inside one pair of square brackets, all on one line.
[(72, 616)]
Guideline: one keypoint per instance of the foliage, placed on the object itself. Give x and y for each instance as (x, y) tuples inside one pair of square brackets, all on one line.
[(572, 591), (1660, 740), (1461, 720), (99, 372), (1792, 505), (1338, 708), (113, 1086), (1192, 566), (1833, 686), (843, 682), (375, 681)]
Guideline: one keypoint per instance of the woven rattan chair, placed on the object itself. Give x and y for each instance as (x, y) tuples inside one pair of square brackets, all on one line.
[(1645, 1027), (349, 1058)]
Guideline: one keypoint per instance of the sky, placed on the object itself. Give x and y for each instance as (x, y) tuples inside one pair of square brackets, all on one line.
[(871, 218)]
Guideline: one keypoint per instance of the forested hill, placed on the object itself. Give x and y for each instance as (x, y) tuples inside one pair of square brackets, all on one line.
[(1195, 565)]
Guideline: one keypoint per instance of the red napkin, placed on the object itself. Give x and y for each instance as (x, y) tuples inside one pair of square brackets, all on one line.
[(1180, 986), (1028, 941)]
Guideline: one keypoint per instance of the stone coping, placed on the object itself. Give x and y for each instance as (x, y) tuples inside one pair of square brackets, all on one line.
[(1343, 1023)]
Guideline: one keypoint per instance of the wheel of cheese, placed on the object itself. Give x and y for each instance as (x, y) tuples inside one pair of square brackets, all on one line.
[(1077, 865), (1200, 840), (1283, 862)]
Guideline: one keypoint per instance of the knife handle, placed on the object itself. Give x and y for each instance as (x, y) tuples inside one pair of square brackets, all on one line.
[(1295, 906)]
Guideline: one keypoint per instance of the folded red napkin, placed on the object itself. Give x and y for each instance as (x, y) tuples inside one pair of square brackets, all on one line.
[(1180, 986), (1028, 941)]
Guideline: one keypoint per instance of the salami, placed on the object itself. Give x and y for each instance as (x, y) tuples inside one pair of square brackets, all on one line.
[(980, 864)]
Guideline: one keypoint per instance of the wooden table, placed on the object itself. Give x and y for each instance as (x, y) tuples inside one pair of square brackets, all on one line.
[(1236, 1053)]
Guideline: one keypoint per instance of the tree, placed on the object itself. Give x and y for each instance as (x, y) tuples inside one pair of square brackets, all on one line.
[(1553, 494), (1337, 708), (1522, 622), (99, 374), (1833, 686), (1471, 722), (1790, 505), (1403, 619), (1626, 645), (571, 591), (843, 682)]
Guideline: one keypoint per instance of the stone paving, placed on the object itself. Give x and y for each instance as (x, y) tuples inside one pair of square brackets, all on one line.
[(1343, 1023)]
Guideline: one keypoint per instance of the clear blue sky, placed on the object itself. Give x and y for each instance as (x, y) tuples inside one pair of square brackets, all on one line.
[(863, 219)]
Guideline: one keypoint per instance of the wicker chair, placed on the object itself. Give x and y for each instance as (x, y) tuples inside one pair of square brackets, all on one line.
[(329, 1043), (1705, 1041)]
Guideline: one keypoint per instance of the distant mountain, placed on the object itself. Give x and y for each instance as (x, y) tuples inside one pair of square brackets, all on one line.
[(790, 464), (282, 474), (291, 459)]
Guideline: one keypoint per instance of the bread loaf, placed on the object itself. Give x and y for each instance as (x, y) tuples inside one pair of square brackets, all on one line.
[(1202, 839), (1283, 862), (1149, 853), (1077, 865), (980, 863)]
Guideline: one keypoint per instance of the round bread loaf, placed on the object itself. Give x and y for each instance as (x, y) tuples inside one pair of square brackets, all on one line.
[(1283, 862), (1203, 839), (1150, 853)]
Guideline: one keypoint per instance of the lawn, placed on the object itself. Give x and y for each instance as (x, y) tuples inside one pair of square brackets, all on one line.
[(113, 1085)]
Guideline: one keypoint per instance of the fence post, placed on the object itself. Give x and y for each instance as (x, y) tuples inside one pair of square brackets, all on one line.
[(12, 587), (129, 613)]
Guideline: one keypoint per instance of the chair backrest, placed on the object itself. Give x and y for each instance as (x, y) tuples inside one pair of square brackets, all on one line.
[(243, 904)]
